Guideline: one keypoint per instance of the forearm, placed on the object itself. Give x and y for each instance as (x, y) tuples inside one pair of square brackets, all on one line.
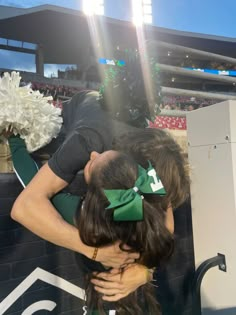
[(36, 212), (47, 223)]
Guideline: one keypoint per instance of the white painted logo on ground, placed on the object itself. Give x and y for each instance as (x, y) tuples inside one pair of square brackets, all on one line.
[(45, 276)]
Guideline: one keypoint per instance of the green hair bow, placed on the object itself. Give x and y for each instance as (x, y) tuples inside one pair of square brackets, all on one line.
[(128, 204)]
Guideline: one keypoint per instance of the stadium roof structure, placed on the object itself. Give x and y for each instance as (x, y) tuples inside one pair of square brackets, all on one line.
[(65, 35)]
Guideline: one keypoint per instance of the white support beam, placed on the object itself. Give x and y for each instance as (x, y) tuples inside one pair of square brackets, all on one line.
[(197, 74)]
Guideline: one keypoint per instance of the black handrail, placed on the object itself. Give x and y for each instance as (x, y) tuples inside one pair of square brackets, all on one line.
[(218, 260)]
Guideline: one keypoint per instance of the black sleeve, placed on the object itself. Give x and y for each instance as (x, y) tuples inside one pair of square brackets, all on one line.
[(74, 153)]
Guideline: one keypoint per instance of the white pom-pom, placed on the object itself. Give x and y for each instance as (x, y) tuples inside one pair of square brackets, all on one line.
[(27, 112)]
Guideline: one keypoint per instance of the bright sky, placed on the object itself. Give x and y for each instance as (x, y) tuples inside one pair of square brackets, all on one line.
[(215, 17)]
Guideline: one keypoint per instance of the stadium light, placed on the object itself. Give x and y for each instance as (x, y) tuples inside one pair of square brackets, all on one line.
[(87, 7), (137, 12), (91, 7), (142, 12)]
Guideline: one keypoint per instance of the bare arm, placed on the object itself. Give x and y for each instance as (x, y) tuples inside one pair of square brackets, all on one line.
[(34, 210)]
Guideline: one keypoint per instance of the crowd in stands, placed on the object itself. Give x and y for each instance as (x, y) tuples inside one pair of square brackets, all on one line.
[(58, 93), (221, 66), (207, 64), (185, 103), (173, 110), (195, 63), (169, 122), (176, 103), (55, 91), (171, 106), (168, 102)]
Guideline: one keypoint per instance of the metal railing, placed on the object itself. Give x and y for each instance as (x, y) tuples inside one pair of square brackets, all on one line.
[(219, 261)]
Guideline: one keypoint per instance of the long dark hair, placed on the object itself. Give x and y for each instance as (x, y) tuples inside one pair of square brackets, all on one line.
[(150, 236), (166, 156)]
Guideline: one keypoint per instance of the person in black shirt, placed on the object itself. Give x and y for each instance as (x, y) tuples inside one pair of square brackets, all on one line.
[(89, 125)]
